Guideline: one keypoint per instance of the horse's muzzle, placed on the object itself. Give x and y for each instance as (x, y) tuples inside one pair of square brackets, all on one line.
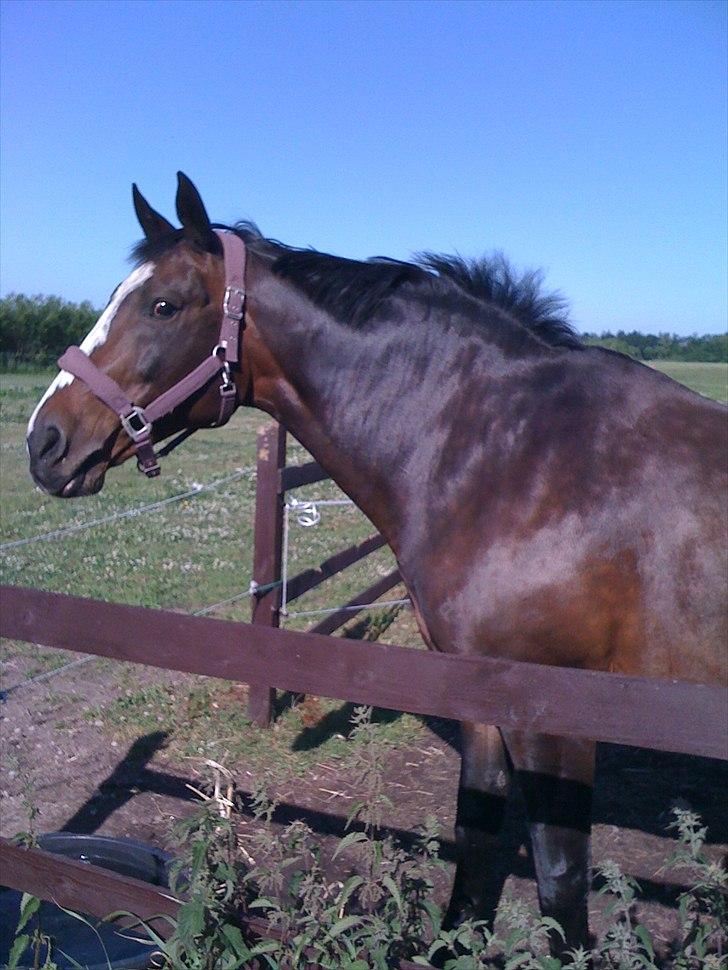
[(51, 469)]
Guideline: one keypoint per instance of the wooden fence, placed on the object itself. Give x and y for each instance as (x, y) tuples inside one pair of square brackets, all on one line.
[(661, 714), (274, 478)]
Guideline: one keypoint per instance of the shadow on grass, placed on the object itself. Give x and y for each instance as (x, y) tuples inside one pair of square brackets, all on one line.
[(131, 776), (338, 722)]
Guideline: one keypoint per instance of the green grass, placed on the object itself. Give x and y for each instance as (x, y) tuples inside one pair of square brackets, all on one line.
[(708, 379), (206, 719), (186, 556)]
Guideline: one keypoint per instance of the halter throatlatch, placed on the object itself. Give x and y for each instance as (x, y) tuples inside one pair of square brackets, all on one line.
[(136, 421)]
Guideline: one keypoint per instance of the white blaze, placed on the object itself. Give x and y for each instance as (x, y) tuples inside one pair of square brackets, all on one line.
[(96, 337)]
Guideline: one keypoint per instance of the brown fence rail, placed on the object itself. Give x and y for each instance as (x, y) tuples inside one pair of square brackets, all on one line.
[(662, 714), (275, 478), (82, 887), (666, 715), (98, 892)]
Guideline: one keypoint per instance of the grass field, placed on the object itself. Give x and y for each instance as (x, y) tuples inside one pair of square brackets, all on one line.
[(708, 379), (185, 556)]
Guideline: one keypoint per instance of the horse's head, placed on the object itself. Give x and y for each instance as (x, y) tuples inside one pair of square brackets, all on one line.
[(161, 323)]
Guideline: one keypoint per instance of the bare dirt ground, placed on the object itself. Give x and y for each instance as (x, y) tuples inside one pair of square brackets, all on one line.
[(84, 778)]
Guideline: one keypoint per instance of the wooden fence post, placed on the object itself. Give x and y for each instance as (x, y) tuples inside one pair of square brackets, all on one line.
[(267, 546)]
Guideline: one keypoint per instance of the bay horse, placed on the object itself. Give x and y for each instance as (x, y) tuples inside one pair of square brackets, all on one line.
[(579, 496)]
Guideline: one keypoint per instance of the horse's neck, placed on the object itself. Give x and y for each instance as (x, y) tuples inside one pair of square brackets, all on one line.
[(357, 400)]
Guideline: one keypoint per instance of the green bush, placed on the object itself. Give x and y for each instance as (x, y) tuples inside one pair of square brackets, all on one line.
[(35, 330), (711, 348)]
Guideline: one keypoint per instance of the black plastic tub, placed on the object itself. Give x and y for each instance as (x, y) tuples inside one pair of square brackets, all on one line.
[(69, 935)]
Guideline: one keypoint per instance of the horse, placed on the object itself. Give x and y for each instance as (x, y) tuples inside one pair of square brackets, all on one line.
[(579, 495)]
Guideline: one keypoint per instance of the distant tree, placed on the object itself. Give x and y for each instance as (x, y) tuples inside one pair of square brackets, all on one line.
[(39, 328), (612, 343), (711, 348)]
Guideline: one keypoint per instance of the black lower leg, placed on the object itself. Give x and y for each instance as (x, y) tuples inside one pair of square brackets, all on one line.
[(482, 795), (559, 811), (561, 860)]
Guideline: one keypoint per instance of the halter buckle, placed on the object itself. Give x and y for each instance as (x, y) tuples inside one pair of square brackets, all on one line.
[(227, 381), (233, 304), (143, 427)]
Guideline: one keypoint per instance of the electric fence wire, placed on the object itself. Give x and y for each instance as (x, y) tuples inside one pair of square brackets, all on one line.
[(306, 513), (197, 489), (302, 509)]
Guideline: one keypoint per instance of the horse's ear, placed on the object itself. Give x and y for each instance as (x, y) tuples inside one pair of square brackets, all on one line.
[(154, 225), (193, 215)]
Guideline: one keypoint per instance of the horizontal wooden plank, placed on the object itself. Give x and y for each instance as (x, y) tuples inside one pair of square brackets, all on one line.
[(311, 578), (296, 475), (89, 889), (82, 887), (662, 714), (335, 620)]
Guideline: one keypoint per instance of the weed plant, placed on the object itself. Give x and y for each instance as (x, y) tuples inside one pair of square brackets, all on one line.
[(270, 903), (381, 911), (31, 941)]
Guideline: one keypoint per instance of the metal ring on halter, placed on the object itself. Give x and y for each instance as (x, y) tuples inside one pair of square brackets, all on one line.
[(126, 422)]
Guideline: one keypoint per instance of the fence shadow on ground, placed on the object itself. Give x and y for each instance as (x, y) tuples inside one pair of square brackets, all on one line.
[(635, 789), (130, 777), (338, 722)]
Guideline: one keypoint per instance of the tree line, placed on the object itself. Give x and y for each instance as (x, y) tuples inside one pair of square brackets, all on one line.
[(664, 346), (35, 330)]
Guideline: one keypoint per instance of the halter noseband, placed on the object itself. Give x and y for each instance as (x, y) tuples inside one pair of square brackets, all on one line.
[(138, 421)]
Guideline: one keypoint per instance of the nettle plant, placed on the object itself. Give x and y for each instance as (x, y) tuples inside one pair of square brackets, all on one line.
[(704, 909), (269, 902), (382, 910)]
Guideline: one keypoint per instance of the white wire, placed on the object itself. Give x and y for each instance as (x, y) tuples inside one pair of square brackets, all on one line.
[(214, 606), (301, 509), (360, 606), (284, 563), (324, 501), (128, 513), (152, 506), (45, 676)]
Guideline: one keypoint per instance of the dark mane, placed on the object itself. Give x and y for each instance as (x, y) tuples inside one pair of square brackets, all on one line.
[(492, 279), (353, 291)]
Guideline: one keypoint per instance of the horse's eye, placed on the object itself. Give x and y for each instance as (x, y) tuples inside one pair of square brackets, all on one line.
[(163, 308)]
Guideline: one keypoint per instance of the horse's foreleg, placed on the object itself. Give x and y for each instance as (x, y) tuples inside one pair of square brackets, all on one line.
[(484, 784), (556, 776)]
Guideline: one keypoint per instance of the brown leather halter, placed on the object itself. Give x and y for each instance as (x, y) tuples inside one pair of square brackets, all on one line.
[(138, 421)]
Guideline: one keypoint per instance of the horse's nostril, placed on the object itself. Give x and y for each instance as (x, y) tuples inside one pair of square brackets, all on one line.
[(47, 444), (52, 437)]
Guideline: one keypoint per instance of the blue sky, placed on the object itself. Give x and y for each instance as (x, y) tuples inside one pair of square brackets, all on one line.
[(585, 137)]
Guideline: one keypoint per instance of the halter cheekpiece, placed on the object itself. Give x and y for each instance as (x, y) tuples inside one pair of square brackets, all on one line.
[(138, 421)]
